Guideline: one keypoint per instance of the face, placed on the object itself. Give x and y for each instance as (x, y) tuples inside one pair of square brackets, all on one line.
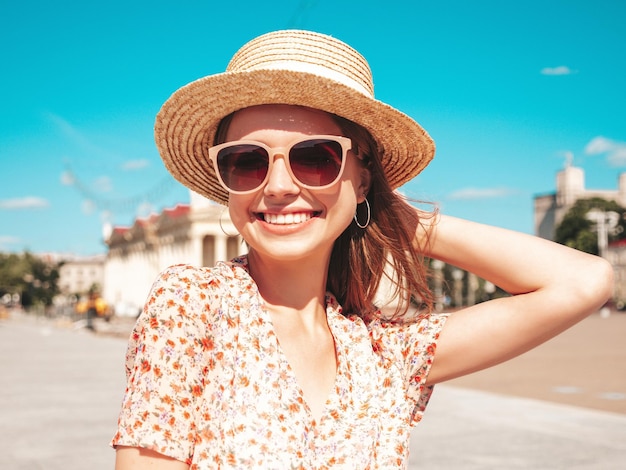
[(281, 219)]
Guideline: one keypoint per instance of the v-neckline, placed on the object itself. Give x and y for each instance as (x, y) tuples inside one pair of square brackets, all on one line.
[(326, 408), (339, 362)]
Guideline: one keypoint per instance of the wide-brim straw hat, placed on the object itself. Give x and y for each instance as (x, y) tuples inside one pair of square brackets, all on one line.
[(285, 67)]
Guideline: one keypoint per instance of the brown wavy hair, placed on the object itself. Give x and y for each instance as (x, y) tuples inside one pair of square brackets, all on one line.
[(387, 247)]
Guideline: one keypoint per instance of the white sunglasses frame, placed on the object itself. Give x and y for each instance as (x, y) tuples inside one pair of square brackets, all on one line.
[(345, 143)]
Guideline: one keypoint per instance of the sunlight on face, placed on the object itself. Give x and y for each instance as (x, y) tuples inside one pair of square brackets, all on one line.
[(282, 218)]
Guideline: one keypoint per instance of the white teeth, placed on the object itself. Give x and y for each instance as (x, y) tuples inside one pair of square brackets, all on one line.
[(287, 219)]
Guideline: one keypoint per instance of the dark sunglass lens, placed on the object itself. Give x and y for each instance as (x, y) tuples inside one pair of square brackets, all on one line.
[(243, 167), (316, 162)]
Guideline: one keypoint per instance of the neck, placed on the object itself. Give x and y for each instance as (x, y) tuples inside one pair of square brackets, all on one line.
[(297, 286)]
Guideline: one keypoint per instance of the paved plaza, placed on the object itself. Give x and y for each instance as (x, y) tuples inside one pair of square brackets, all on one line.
[(62, 387)]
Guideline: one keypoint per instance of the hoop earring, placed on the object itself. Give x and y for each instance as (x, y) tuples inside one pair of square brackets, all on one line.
[(222, 227), (369, 214)]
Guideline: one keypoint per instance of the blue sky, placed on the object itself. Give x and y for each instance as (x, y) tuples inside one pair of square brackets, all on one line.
[(506, 89)]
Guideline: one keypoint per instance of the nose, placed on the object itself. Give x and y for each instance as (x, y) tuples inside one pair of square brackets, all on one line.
[(280, 182)]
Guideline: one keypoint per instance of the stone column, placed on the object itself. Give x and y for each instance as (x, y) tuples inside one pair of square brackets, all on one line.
[(195, 245), (221, 248)]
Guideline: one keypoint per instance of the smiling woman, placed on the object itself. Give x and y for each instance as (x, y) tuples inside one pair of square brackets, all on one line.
[(281, 358)]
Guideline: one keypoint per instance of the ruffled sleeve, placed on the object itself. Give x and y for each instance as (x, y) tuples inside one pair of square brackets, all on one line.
[(411, 349), (166, 365)]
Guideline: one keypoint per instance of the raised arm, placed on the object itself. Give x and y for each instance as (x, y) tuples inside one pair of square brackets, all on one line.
[(552, 286)]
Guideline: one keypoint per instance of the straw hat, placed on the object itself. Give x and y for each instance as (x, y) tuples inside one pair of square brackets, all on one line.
[(285, 67)]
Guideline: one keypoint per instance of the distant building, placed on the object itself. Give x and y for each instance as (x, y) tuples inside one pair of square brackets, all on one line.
[(194, 233), (570, 187), (78, 275)]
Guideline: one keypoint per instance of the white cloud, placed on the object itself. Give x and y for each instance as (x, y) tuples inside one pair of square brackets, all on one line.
[(8, 240), (617, 157), (480, 193), (599, 145), (614, 151), (28, 202), (560, 70), (135, 164)]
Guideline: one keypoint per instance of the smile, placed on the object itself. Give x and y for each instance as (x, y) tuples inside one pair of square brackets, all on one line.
[(287, 219)]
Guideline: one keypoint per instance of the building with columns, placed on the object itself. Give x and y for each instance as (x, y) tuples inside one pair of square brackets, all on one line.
[(194, 233)]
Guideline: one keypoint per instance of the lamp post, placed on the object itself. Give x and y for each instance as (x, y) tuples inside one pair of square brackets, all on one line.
[(604, 222), (489, 289), (438, 265), (458, 275)]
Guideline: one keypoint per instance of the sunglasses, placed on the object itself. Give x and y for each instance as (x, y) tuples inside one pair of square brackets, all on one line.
[(315, 162)]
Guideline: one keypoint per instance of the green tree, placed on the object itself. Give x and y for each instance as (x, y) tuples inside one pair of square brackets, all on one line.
[(576, 231), (35, 280)]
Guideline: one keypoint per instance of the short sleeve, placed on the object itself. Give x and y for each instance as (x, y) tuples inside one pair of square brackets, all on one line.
[(411, 348), (165, 365)]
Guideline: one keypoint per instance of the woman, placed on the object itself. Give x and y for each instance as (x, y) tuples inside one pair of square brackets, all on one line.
[(280, 359)]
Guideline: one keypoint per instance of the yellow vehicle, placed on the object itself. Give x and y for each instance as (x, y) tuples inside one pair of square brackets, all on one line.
[(101, 308)]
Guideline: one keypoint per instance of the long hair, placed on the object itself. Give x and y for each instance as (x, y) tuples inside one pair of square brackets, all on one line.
[(387, 247)]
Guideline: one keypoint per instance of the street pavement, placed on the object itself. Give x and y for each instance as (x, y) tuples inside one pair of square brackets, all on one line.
[(62, 387)]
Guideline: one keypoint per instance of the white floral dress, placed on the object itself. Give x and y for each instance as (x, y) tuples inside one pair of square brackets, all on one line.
[(209, 385)]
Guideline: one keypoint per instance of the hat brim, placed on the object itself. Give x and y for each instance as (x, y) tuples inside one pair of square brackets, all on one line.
[(186, 124)]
